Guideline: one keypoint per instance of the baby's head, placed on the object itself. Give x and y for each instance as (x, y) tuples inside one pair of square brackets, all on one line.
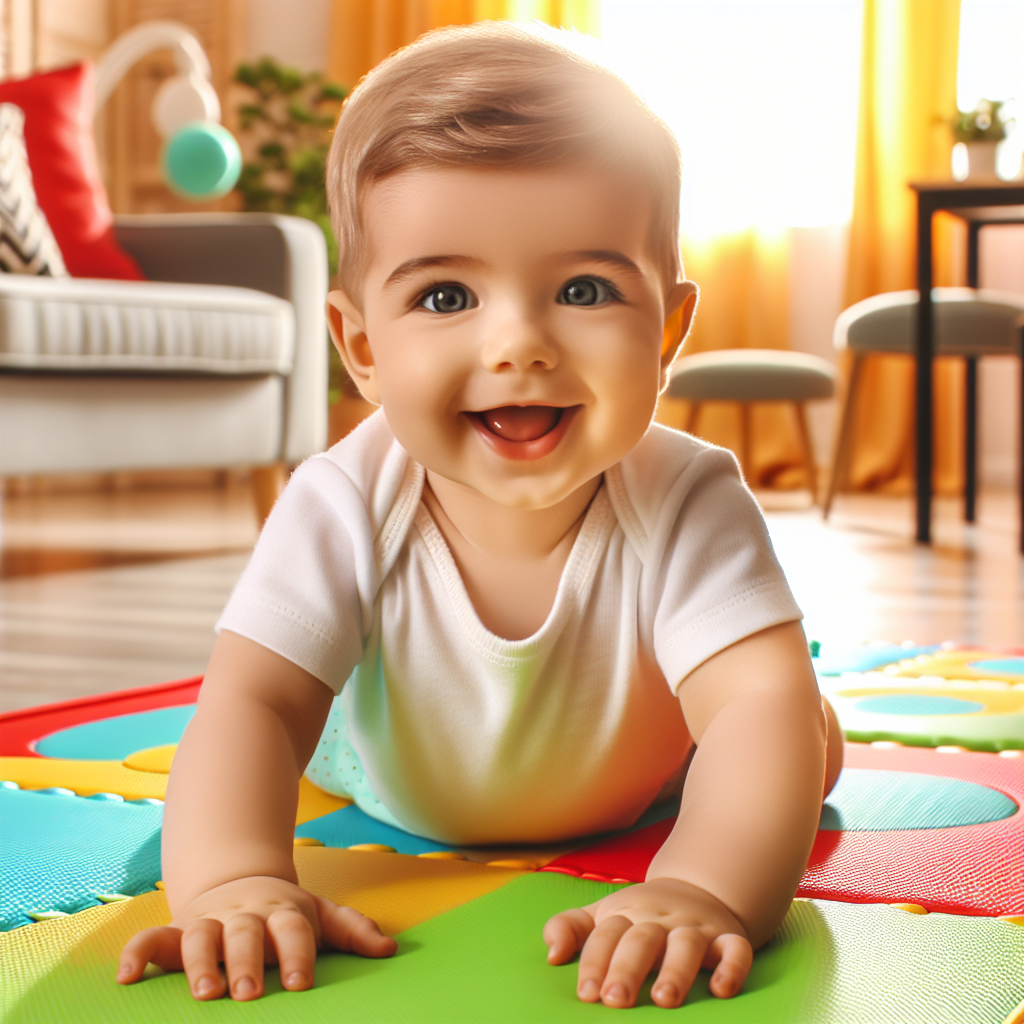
[(496, 95), (510, 284)]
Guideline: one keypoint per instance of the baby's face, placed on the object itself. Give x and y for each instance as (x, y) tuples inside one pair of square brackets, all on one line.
[(511, 325)]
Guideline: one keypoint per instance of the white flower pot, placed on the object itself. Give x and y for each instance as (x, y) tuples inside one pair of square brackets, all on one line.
[(981, 159)]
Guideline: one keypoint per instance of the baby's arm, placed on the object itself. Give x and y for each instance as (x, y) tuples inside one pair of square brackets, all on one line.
[(722, 882), (227, 835)]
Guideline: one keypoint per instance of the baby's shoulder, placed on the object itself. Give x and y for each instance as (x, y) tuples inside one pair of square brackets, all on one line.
[(649, 487), (367, 476)]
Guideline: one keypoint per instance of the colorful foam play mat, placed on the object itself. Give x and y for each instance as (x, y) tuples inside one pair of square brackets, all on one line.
[(945, 695), (911, 908)]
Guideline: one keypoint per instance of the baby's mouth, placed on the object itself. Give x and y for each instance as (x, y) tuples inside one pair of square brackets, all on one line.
[(521, 422)]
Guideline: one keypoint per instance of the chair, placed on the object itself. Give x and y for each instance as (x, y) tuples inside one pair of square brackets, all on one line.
[(219, 359), (755, 375), (968, 323)]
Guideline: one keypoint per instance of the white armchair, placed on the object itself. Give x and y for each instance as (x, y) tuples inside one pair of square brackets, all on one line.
[(219, 359)]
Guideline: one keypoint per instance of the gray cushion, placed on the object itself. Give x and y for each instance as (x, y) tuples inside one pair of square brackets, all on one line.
[(967, 323), (75, 324), (752, 375)]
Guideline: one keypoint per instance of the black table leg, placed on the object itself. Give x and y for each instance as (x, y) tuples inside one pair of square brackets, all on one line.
[(971, 440), (923, 372)]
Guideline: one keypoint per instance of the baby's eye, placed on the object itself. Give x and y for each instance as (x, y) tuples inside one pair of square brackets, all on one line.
[(586, 291), (448, 298)]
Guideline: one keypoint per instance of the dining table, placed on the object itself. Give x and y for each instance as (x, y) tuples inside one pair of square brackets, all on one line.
[(979, 203)]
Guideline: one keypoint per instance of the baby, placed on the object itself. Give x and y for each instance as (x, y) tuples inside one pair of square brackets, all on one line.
[(536, 604)]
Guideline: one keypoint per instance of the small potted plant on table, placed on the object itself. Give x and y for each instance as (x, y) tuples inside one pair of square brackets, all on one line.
[(981, 130)]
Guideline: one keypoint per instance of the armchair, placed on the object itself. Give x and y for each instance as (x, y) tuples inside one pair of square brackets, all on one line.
[(219, 359)]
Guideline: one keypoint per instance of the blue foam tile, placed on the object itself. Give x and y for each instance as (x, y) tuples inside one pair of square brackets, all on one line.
[(871, 800), (58, 851), (349, 826), (918, 704), (1003, 666), (113, 739), (834, 660)]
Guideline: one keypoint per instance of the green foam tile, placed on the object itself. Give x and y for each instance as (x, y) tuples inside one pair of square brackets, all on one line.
[(831, 963)]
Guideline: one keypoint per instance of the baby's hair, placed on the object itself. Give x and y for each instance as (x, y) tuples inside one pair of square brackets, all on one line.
[(496, 95)]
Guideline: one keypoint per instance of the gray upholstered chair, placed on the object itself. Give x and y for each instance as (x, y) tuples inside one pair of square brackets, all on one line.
[(219, 359), (748, 375), (968, 323)]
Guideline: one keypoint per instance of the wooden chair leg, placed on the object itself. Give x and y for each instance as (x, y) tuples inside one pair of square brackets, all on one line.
[(744, 453), (844, 441), (692, 415), (808, 447), (267, 484)]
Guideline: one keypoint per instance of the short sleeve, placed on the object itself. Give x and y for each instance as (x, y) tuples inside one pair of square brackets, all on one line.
[(308, 591), (715, 578)]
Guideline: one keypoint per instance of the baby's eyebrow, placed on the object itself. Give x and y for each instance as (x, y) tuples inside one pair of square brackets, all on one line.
[(610, 256), (410, 267)]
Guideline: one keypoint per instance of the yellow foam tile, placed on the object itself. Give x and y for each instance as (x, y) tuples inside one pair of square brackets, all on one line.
[(79, 940), (996, 702), (152, 759), (88, 777), (951, 665), (315, 803), (84, 777), (396, 892)]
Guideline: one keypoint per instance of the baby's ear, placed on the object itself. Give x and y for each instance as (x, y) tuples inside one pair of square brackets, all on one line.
[(348, 332), (679, 307)]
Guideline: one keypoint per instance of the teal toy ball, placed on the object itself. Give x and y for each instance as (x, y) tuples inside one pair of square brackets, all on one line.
[(202, 160)]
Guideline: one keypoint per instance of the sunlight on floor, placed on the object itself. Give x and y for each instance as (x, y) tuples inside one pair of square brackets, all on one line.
[(153, 568)]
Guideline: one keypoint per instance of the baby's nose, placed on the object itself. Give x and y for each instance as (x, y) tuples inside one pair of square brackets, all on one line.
[(519, 343)]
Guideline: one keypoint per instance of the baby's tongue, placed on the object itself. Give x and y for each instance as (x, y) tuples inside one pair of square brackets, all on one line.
[(521, 422)]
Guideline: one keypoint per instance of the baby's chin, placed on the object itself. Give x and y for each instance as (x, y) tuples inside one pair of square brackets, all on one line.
[(519, 487)]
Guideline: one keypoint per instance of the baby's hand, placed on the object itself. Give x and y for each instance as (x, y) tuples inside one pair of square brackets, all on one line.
[(625, 935), (246, 923)]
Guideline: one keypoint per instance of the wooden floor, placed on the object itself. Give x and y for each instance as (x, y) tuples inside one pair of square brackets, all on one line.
[(107, 591)]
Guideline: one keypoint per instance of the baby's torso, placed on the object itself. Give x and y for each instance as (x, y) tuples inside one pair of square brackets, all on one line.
[(470, 738), (473, 738)]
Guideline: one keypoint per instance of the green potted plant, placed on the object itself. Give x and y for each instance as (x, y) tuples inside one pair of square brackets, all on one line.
[(981, 130), (285, 123)]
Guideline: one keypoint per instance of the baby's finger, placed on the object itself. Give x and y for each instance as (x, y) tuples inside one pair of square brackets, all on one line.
[(244, 951), (734, 956), (597, 955), (684, 952), (292, 936), (351, 932), (200, 957), (160, 946), (566, 933), (637, 952)]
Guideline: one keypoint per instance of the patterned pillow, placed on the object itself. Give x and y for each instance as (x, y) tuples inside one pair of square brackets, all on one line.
[(27, 245)]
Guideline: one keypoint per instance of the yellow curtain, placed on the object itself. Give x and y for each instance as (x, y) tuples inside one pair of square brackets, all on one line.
[(364, 32), (744, 282), (907, 99)]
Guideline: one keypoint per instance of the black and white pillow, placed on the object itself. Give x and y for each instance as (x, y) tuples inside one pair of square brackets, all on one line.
[(27, 245)]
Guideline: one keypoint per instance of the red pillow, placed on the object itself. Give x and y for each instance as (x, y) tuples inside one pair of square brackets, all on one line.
[(58, 108)]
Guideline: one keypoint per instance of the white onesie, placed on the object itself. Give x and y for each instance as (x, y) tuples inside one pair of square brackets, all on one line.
[(468, 738)]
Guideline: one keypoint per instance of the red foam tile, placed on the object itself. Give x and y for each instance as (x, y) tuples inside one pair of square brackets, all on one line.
[(965, 869), (20, 729)]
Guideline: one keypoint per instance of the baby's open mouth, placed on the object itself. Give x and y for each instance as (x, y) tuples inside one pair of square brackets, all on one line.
[(521, 422)]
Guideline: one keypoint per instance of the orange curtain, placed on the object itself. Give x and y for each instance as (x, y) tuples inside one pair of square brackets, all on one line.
[(907, 99), (364, 32)]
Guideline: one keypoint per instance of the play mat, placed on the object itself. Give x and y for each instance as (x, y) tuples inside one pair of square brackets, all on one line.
[(911, 908)]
